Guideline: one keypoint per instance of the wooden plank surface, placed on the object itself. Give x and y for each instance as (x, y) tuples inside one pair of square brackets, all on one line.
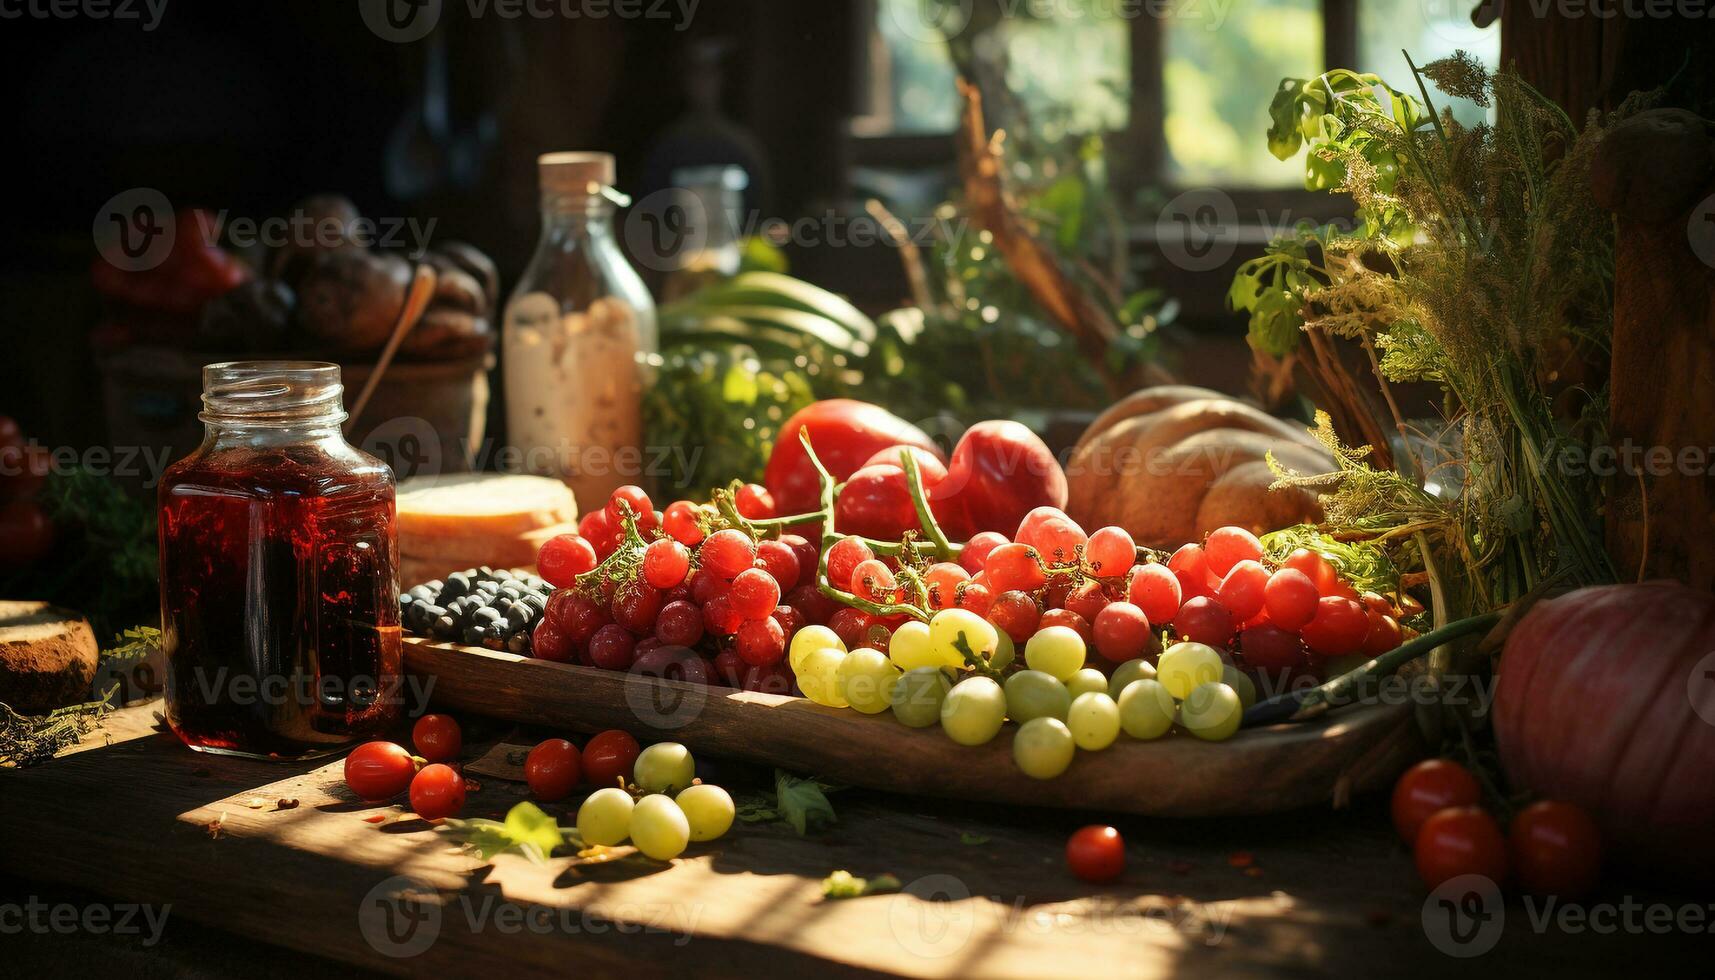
[(1258, 771), (1318, 891)]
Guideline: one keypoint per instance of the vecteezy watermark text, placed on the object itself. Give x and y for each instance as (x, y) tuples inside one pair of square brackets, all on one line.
[(146, 13), (404, 21), (63, 919)]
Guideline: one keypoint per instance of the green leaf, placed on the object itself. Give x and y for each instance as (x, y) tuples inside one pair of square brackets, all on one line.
[(801, 801), (527, 830)]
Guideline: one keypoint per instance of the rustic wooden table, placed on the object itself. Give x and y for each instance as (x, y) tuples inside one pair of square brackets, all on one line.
[(133, 817)]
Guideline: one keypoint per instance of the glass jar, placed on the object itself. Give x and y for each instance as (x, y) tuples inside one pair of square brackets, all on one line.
[(579, 327), (279, 571)]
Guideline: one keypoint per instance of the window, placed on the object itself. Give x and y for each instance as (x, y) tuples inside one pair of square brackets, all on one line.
[(1187, 91)]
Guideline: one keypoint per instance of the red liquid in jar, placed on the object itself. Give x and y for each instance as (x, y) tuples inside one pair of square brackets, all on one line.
[(279, 599)]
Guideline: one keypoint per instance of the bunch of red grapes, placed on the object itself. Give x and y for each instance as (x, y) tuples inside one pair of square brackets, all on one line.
[(722, 608), (714, 608)]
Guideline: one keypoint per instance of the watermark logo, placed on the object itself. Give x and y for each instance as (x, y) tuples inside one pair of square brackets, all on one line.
[(1464, 916), (931, 21), (1700, 688), (931, 918), (134, 230), (664, 230), (1198, 229), (667, 707), (409, 446), (400, 917), (400, 21), (1700, 230)]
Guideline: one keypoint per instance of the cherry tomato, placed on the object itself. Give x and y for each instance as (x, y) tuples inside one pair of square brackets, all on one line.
[(1227, 546), (1110, 552), (760, 642), (1339, 626), (976, 550), (942, 578), (378, 771), (437, 738), (1015, 567), (609, 756), (1054, 535), (844, 556), (1290, 598), (1096, 854), (1428, 787), (666, 562), (726, 553), (1383, 634), (1556, 849), (437, 791), (754, 594), (1204, 620), (563, 558), (845, 434), (1243, 589), (780, 560), (680, 523), (1460, 840), (754, 502), (552, 769), (1191, 567), (633, 497), (1155, 590), (1121, 632)]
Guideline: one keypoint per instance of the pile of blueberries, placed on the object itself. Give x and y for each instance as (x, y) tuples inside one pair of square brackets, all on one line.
[(490, 607)]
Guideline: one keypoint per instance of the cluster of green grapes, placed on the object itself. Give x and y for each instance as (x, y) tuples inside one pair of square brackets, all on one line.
[(672, 810), (959, 670)]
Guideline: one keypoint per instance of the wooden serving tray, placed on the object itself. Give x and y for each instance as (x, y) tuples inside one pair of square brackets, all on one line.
[(1259, 770)]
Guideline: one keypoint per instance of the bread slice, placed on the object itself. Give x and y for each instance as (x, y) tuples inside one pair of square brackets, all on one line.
[(481, 505)]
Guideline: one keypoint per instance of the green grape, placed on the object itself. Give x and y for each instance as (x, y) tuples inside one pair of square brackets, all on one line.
[(1241, 684), (1033, 694), (1212, 712), (1146, 709), (664, 767), (1005, 651), (708, 809), (1094, 719), (811, 638), (1183, 666), (973, 711), (1086, 680), (950, 624), (1043, 747), (819, 676), (1057, 650), (917, 696), (865, 679), (659, 828), (1131, 670), (910, 647), (604, 817)]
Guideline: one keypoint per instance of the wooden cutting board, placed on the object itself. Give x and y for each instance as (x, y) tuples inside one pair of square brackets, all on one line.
[(1257, 771)]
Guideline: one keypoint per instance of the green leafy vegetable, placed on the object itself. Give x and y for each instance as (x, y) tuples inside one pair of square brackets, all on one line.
[(527, 830), (798, 801)]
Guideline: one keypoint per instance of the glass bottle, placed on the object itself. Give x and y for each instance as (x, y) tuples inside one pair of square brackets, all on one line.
[(578, 329), (279, 571)]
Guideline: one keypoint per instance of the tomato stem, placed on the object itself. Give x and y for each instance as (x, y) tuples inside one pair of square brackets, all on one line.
[(1312, 703)]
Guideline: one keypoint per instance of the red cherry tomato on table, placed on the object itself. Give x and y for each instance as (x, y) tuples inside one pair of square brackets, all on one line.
[(1110, 552), (1460, 840), (563, 558), (437, 738), (1227, 546), (1054, 535), (636, 499), (608, 757), (1290, 598), (727, 553), (666, 562), (845, 434), (1096, 854), (1243, 589), (1556, 849), (378, 771), (1428, 787), (876, 503), (754, 502), (552, 769), (1191, 567), (437, 792), (1339, 626), (1015, 567)]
